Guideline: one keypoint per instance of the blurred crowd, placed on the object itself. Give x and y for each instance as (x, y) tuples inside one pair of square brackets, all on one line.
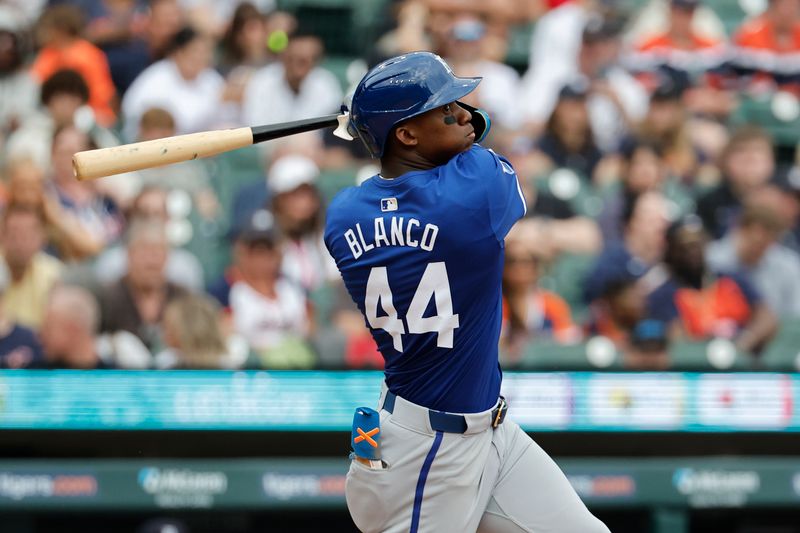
[(650, 138)]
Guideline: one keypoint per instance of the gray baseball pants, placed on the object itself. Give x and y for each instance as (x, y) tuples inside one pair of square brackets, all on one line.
[(485, 480)]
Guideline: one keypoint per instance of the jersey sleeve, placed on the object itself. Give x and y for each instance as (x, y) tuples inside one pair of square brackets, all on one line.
[(497, 179)]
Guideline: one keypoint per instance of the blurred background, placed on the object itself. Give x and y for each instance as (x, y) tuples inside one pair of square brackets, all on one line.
[(178, 353)]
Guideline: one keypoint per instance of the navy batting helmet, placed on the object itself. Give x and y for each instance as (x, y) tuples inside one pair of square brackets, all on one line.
[(400, 88)]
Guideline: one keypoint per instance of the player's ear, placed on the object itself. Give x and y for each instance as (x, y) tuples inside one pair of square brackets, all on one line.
[(406, 135)]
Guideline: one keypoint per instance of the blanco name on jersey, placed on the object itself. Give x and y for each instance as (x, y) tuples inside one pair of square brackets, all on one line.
[(394, 231)]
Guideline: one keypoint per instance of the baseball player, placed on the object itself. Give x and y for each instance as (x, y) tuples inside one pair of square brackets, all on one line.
[(420, 248)]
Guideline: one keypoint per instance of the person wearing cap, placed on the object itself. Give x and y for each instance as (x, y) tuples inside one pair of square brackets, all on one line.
[(699, 303), (648, 347), (269, 311), (616, 286), (298, 210), (184, 84), (766, 48), (568, 139), (463, 50), (671, 128), (617, 102)]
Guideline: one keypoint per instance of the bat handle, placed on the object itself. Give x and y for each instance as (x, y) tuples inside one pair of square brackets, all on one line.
[(274, 131)]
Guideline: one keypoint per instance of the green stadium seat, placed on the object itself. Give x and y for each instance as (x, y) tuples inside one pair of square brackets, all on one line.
[(545, 355), (231, 171), (565, 277), (338, 65), (693, 357), (782, 353), (786, 133), (332, 181), (519, 45)]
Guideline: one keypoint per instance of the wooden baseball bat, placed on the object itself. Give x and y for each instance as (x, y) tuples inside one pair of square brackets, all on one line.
[(92, 164)]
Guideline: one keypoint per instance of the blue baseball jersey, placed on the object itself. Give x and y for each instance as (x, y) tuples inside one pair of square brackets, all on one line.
[(422, 257)]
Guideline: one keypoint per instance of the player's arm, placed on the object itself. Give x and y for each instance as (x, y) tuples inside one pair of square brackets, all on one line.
[(505, 198)]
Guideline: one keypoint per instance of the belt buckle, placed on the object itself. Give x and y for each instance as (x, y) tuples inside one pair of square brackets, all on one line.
[(498, 418)]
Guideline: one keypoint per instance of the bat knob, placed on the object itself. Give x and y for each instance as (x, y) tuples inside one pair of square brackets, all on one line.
[(341, 130)]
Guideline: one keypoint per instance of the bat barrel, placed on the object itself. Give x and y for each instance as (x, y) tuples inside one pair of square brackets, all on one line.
[(92, 164)]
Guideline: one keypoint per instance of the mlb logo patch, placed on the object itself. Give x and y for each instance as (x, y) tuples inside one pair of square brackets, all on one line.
[(388, 204)]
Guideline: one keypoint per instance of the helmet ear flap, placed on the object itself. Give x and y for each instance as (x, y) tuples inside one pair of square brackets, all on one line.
[(480, 121), (371, 144)]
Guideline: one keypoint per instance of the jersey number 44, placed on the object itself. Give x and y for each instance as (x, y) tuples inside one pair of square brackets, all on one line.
[(434, 283)]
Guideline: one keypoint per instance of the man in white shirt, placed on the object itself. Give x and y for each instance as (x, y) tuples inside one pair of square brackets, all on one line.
[(268, 311), (183, 84), (617, 102), (293, 88)]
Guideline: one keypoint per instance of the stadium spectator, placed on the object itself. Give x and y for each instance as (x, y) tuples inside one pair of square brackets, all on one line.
[(347, 336), (463, 52), (530, 312), (680, 48), (245, 50), (118, 27), (766, 48), (98, 216), (616, 101), (553, 227), (642, 171), (195, 89), (244, 45), (618, 308), (554, 49), (784, 198), (668, 127), (26, 188), (568, 140), (165, 18), (182, 267), (69, 328), (647, 349), (19, 347), (18, 90), (193, 337), (294, 88), (298, 211), (747, 164), (752, 249), (136, 302), (699, 303), (64, 96), (189, 176), (33, 272), (270, 312), (618, 283), (214, 16), (59, 35)]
